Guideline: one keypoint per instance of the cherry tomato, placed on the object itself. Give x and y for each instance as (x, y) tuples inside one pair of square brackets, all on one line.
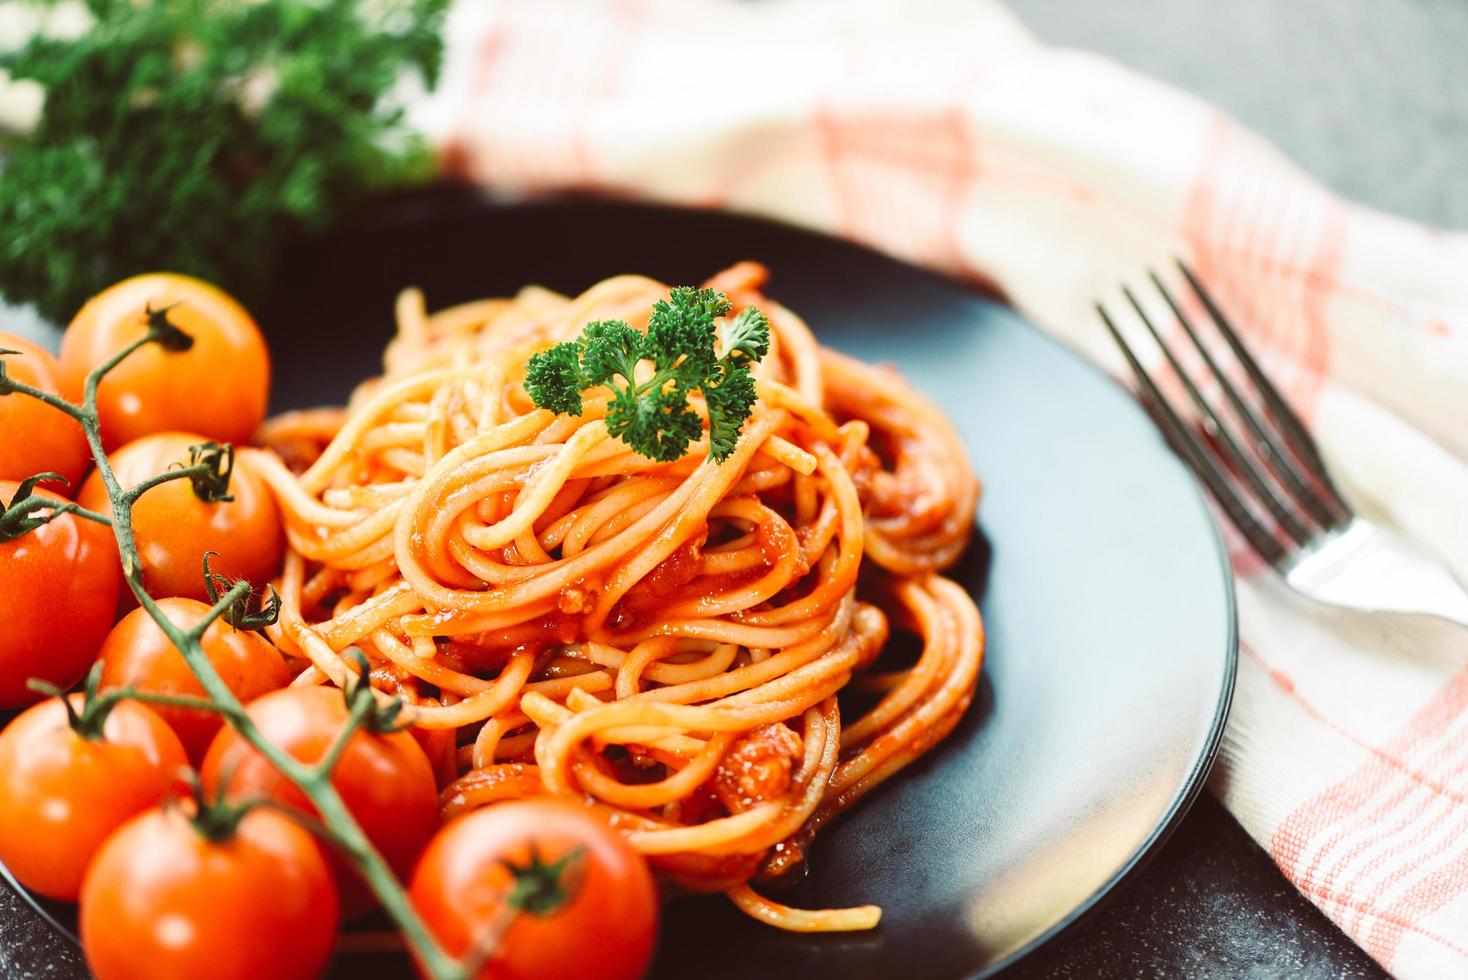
[(174, 527), (218, 387), (385, 780), (58, 597), (138, 654), (605, 924), (38, 438), (441, 745), (62, 795), (164, 902)]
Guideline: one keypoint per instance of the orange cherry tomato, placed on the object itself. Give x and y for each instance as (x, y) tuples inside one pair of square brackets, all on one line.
[(38, 438), (385, 780), (138, 654), (218, 387), (62, 795), (600, 922), (58, 598), (174, 527), (164, 902)]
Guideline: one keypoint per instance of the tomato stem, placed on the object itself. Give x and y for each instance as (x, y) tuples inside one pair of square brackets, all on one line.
[(51, 690), (9, 386), (33, 512), (359, 709), (309, 823), (167, 700), (217, 462), (216, 819), (313, 780), (193, 472), (236, 613), (164, 331), (363, 711), (376, 714), (542, 888), (222, 603), (89, 722), (82, 512), (28, 510)]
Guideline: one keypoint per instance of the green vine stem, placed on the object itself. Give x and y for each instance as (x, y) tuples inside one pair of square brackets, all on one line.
[(96, 706), (28, 510), (313, 780)]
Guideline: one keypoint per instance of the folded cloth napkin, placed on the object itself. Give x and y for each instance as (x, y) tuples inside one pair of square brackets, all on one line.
[(940, 132)]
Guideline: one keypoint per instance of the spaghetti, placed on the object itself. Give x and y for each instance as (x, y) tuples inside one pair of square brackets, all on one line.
[(666, 641)]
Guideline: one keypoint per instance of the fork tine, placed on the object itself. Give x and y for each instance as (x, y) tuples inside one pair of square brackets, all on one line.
[(1276, 458), (1296, 436), (1238, 461), (1191, 449)]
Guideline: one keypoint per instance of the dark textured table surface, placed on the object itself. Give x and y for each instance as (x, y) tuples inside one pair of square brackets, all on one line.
[(1372, 97)]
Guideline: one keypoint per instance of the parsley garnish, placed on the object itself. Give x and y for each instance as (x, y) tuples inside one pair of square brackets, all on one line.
[(653, 416)]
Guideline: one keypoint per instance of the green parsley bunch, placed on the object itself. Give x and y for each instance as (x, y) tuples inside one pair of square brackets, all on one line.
[(653, 415), (197, 135)]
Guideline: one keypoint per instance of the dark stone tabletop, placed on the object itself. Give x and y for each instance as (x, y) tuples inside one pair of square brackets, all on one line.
[(1371, 96)]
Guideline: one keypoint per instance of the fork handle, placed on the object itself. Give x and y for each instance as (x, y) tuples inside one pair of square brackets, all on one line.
[(1367, 567)]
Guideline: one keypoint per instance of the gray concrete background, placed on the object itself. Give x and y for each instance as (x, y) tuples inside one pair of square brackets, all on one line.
[(1370, 96)]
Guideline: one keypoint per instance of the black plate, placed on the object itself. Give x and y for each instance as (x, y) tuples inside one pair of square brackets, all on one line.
[(1102, 578)]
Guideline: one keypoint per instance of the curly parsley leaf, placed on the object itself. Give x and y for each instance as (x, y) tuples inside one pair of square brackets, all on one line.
[(748, 337), (729, 402), (556, 380), (652, 415), (611, 348)]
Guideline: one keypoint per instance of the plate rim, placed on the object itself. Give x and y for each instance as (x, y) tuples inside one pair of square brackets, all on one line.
[(1197, 778), (440, 200)]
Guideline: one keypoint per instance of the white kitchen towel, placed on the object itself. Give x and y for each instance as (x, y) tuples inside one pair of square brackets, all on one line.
[(940, 132)]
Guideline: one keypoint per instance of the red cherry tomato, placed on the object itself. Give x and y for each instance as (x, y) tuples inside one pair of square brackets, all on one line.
[(62, 795), (58, 598), (602, 929), (174, 527), (218, 387), (164, 902), (139, 655), (441, 745), (38, 438), (385, 780)]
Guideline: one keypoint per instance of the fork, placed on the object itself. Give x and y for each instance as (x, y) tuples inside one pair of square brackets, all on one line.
[(1263, 468)]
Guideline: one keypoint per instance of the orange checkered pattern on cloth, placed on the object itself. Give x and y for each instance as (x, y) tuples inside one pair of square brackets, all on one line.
[(938, 131)]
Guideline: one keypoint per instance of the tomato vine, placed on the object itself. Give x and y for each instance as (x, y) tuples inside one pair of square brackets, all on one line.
[(208, 469)]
